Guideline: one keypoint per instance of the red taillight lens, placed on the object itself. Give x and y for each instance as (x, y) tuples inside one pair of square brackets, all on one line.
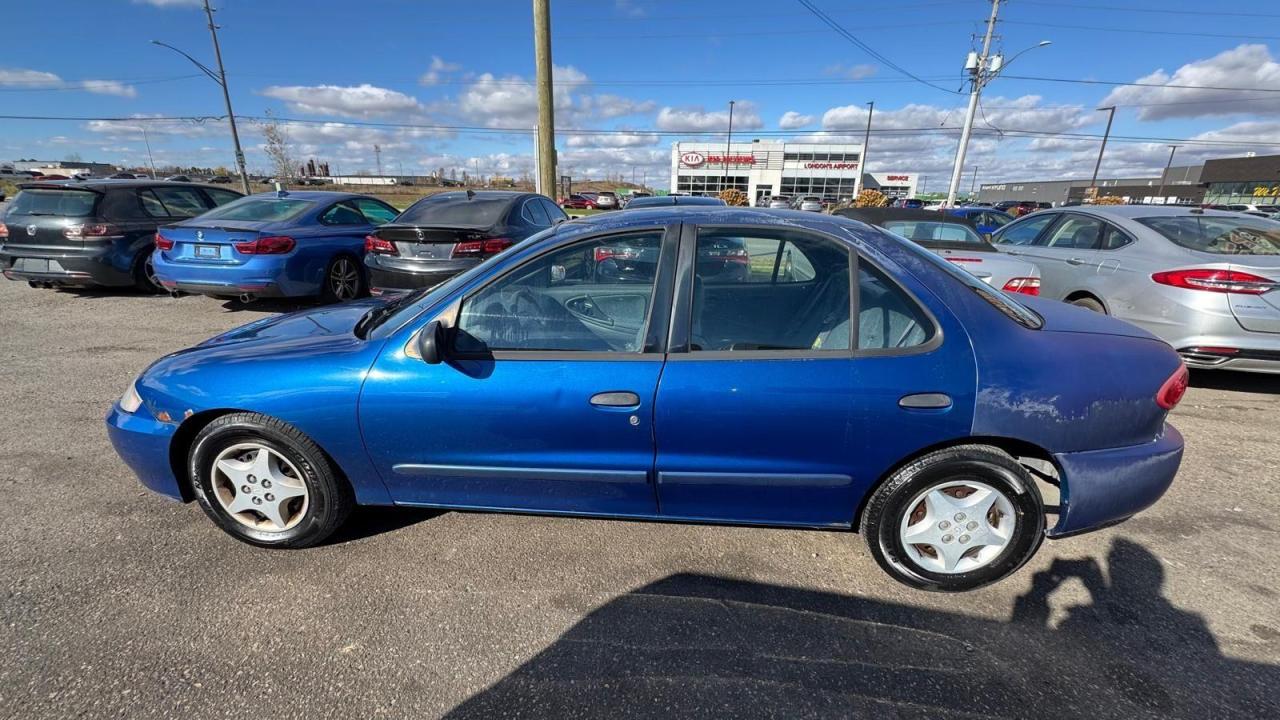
[(739, 256), (1023, 286), (276, 245), (4, 231), (1222, 281), (163, 243), (1174, 388), (96, 230), (380, 246), (481, 248)]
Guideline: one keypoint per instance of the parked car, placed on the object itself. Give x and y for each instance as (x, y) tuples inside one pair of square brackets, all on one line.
[(220, 180), (669, 200), (577, 202), (809, 203), (627, 200), (177, 178), (95, 232), (913, 421), (441, 235), (956, 240), (288, 244), (116, 176), (1201, 280), (987, 220), (607, 201), (911, 203), (779, 202)]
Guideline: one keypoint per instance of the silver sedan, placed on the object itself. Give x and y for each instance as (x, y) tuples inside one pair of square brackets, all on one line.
[(1206, 282)]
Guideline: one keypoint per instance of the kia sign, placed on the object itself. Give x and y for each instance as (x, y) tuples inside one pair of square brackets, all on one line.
[(692, 159)]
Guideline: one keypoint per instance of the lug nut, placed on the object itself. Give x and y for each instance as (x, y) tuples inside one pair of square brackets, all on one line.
[(946, 538), (944, 525), (266, 483), (973, 525), (245, 488), (964, 539), (959, 517), (257, 500), (252, 479), (270, 497)]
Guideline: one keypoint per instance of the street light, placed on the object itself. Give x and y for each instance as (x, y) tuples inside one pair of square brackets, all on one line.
[(219, 77)]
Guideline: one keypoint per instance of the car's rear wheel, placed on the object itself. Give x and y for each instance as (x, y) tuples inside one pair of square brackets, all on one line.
[(1089, 304), (343, 280), (955, 519), (265, 483), (144, 272)]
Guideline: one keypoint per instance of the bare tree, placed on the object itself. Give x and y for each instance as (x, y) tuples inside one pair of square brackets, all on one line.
[(277, 149)]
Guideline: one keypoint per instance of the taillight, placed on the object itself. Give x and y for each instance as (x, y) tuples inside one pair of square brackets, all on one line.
[(1174, 388), (1222, 281), (738, 256), (481, 248), (276, 245), (163, 243), (380, 246), (4, 231), (1023, 286), (621, 253), (96, 230)]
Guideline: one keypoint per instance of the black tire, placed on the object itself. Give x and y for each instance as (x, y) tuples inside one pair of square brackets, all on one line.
[(143, 275), (1089, 303), (329, 500), (334, 290), (884, 513)]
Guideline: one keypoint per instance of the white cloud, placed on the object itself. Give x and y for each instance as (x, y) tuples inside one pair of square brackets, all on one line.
[(20, 78), (132, 129), (613, 106), (437, 70), (628, 8), (359, 101), (17, 77), (792, 120), (512, 101), (1246, 66), (613, 140), (169, 3), (109, 87), (852, 72), (696, 119)]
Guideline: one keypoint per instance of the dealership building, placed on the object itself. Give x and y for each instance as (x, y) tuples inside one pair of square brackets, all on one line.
[(763, 168)]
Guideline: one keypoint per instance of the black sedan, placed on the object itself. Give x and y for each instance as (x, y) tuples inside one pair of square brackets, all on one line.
[(441, 235)]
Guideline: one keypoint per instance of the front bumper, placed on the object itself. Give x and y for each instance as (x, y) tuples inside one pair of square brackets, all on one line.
[(93, 266), (142, 442), (1104, 487)]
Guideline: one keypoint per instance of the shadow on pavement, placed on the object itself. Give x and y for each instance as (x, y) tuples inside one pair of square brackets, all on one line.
[(701, 646), (1236, 381), (367, 521)]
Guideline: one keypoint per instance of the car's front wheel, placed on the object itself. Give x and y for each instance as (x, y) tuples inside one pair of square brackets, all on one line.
[(265, 483), (955, 519)]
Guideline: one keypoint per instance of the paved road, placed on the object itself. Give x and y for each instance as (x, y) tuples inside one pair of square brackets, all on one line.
[(115, 603)]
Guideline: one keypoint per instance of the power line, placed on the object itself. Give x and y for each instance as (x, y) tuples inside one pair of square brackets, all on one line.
[(1139, 84), (1138, 31), (82, 85), (1148, 10)]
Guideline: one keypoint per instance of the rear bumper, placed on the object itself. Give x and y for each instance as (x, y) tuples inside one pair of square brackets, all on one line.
[(389, 274), (104, 265), (263, 277), (142, 442), (1243, 359), (1104, 487)]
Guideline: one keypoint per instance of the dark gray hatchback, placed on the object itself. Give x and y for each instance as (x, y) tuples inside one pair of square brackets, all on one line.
[(95, 232)]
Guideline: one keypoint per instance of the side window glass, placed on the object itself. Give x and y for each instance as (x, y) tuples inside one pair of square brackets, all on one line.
[(152, 205), (887, 317), (995, 219), (1115, 238), (593, 296), (783, 292), (1025, 232), (1076, 232), (375, 212), (178, 201), (342, 214), (220, 197), (553, 211), (534, 213)]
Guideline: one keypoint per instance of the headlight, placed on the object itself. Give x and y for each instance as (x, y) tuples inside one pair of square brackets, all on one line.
[(131, 400)]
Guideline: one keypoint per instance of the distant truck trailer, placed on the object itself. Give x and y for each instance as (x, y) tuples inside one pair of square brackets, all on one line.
[(361, 180)]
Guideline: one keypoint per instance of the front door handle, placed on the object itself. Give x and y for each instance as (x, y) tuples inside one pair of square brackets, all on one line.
[(616, 399), (1075, 261)]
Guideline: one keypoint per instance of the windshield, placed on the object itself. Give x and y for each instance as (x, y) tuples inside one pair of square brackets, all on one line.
[(63, 203), (455, 209), (259, 209), (1218, 234), (923, 231)]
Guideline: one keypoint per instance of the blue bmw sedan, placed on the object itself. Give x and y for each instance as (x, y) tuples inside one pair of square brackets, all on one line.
[(844, 379), (280, 244)]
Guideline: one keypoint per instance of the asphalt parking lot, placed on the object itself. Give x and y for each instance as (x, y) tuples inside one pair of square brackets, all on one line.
[(116, 603)]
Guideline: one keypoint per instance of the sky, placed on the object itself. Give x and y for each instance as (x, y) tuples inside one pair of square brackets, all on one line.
[(448, 84)]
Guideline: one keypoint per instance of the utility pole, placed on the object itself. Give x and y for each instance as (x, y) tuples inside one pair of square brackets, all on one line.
[(1165, 175), (724, 183), (973, 184), (150, 159), (377, 155), (1093, 184), (862, 161), (226, 96), (546, 101), (980, 74)]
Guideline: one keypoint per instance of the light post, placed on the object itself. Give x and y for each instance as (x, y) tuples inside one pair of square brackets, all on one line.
[(727, 144), (1164, 176), (862, 161), (1093, 184), (219, 77)]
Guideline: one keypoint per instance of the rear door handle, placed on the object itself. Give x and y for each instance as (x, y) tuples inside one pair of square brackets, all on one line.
[(1075, 261), (616, 399)]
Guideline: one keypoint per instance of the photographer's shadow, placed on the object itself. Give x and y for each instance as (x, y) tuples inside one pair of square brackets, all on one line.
[(702, 646)]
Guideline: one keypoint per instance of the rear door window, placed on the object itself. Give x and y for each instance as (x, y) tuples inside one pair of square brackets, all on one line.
[(534, 213), (344, 213), (178, 202), (887, 317), (376, 212), (221, 197)]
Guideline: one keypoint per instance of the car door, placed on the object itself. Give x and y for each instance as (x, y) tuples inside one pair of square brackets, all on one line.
[(1067, 254), (788, 419), (545, 402)]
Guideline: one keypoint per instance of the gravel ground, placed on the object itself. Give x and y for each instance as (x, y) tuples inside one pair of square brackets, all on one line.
[(116, 603)]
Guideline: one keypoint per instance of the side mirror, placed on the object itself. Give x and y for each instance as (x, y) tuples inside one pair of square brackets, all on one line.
[(432, 343)]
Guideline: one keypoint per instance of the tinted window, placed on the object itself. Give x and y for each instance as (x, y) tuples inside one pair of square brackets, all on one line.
[(769, 292), (887, 316), (1024, 232), (1075, 232), (995, 219), (1221, 235), (374, 211), (1113, 237), (221, 197), (534, 213), (454, 209), (929, 231), (260, 209), (152, 205), (63, 203), (342, 214), (553, 210), (590, 296), (177, 201)]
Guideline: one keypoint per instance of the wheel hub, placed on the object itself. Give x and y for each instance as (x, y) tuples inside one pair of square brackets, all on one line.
[(957, 526), (259, 487)]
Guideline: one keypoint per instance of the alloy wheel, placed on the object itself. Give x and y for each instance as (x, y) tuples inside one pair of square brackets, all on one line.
[(344, 279), (957, 526), (259, 487)]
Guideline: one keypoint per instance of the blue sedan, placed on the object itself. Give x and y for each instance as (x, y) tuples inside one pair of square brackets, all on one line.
[(280, 244), (988, 220), (844, 379)]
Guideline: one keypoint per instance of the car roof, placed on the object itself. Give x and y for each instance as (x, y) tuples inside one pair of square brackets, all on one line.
[(877, 216), (103, 184), (669, 200), (1145, 211)]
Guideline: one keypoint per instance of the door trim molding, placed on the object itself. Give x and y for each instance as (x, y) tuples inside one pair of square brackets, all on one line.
[(522, 473), (755, 479)]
